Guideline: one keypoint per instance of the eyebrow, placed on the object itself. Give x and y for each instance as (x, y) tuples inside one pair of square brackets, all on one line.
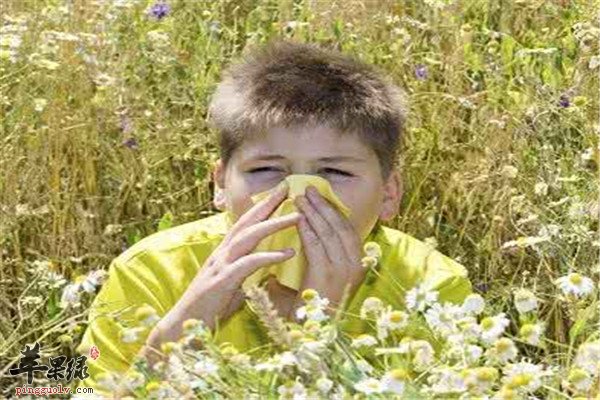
[(267, 157)]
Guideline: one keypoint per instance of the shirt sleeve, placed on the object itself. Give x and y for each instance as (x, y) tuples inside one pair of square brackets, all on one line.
[(446, 276), (128, 286)]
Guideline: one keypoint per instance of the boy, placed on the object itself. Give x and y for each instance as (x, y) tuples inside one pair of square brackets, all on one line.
[(287, 110)]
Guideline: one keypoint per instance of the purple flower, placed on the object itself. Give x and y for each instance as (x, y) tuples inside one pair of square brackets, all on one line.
[(159, 10), (421, 72), (131, 143), (482, 287), (564, 101)]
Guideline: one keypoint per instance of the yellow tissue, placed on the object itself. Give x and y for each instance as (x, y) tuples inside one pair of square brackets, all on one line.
[(290, 272)]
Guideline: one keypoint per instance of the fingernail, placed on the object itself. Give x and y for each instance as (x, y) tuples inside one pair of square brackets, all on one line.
[(283, 185), (313, 192), (300, 200)]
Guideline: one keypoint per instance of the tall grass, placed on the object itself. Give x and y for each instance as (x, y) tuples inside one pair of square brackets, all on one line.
[(104, 137)]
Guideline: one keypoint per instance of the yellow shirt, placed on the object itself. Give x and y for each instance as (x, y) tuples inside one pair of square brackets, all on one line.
[(158, 269)]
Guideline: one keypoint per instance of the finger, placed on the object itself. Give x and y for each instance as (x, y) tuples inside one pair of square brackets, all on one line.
[(245, 266), (235, 303), (261, 210), (340, 224), (328, 237), (246, 240), (313, 248)]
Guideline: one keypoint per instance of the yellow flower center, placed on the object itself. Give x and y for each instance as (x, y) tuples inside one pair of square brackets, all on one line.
[(152, 386), (296, 334), (575, 279), (521, 380), (397, 317), (503, 345), (399, 374), (487, 374), (190, 324), (487, 323), (527, 330), (309, 294), (577, 375), (168, 347), (144, 312)]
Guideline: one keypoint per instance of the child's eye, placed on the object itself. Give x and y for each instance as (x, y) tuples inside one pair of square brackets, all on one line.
[(337, 171), (263, 169)]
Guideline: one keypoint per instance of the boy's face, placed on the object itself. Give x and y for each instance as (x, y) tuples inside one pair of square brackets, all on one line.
[(356, 181)]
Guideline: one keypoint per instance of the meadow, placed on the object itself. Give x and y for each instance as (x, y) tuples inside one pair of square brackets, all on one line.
[(104, 140)]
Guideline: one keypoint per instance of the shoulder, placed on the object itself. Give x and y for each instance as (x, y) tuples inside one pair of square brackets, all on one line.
[(206, 231), (416, 262), (415, 253)]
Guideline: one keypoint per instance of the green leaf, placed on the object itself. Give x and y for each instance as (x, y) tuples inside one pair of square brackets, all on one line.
[(166, 221), (133, 237), (52, 308)]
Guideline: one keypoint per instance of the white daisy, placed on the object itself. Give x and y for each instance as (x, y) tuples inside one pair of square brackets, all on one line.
[(525, 301), (292, 390), (147, 315), (423, 354), (390, 320), (132, 335), (132, 380), (372, 249), (312, 313), (493, 327), (524, 376), (588, 358), (442, 318), (480, 380), (503, 350), (575, 284), (369, 386), (324, 385), (580, 380), (532, 333), (206, 366), (446, 380), (364, 367), (93, 280), (287, 358), (472, 353), (314, 347), (311, 296), (70, 295), (371, 305), (363, 340), (469, 328), (395, 380), (473, 304), (420, 297)]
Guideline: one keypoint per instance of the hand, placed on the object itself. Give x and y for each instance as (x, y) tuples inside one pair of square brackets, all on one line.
[(215, 292), (332, 246)]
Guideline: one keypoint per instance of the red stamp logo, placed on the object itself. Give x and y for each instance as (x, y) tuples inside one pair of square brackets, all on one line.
[(94, 353)]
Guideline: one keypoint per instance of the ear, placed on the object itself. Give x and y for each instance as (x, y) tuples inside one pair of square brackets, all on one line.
[(392, 195), (218, 176)]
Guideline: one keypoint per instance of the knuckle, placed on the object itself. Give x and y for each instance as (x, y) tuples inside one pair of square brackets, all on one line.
[(312, 240), (328, 231)]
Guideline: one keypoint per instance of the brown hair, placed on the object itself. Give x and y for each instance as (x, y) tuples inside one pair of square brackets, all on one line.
[(288, 83)]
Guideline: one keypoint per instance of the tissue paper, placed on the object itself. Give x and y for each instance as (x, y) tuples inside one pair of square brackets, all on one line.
[(290, 272)]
